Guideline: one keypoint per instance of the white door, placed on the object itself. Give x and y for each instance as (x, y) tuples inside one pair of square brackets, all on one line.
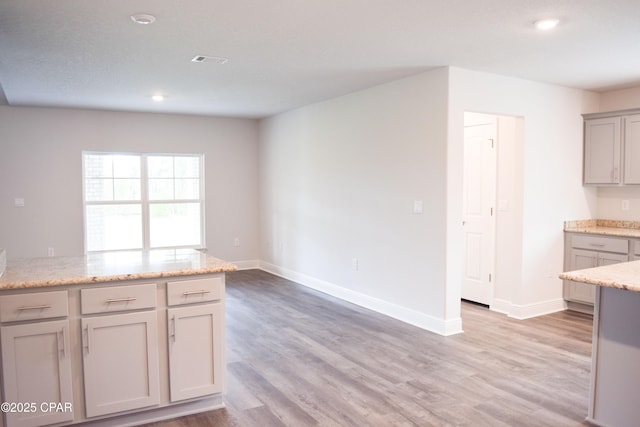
[(36, 367), (196, 359), (120, 358), (478, 208)]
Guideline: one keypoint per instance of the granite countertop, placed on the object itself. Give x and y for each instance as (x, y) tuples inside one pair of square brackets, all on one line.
[(109, 267), (622, 276), (604, 226)]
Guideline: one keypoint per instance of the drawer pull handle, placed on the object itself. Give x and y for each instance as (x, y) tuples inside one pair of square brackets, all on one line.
[(125, 299), (34, 307), (200, 292), (599, 245)]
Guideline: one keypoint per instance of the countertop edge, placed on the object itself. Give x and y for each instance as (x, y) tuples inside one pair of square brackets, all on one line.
[(114, 278), (624, 276), (109, 267)]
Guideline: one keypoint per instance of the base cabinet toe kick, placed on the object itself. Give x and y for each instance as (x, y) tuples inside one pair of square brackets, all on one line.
[(120, 353)]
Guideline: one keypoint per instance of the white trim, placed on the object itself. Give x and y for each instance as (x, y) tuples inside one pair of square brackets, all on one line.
[(407, 315), (528, 311), (250, 264), (500, 306)]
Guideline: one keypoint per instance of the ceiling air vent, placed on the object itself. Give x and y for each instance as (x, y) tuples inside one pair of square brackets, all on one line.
[(204, 58)]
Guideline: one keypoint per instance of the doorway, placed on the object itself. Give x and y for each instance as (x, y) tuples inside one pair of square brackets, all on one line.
[(492, 186), (479, 195)]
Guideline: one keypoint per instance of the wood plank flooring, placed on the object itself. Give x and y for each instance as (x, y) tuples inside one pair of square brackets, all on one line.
[(297, 357)]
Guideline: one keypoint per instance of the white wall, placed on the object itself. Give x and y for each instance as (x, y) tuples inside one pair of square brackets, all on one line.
[(610, 198), (40, 161), (509, 211), (338, 180), (552, 189)]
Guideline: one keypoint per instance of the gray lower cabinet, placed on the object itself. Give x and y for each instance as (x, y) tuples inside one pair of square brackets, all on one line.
[(120, 353), (587, 251), (36, 359)]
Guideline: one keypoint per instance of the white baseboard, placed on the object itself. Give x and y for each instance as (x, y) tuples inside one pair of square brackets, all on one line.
[(527, 311), (247, 264), (407, 315)]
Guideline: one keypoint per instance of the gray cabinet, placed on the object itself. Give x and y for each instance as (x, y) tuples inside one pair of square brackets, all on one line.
[(195, 337), (612, 148), (119, 351), (632, 149), (602, 150), (36, 359), (587, 251)]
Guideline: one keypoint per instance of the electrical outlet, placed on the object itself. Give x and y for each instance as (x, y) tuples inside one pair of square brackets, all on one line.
[(625, 205), (355, 264), (236, 241), (51, 252)]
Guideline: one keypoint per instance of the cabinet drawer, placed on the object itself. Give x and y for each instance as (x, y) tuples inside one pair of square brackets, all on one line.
[(118, 298), (197, 290), (40, 305), (598, 243)]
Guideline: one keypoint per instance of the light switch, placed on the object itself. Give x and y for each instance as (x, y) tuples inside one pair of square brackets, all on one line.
[(18, 202), (625, 205), (417, 206)]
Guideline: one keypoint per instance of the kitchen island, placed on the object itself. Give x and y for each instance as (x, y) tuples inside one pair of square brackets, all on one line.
[(615, 370), (112, 338)]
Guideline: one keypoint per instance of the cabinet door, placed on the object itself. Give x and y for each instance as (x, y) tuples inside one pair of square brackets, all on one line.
[(602, 151), (36, 367), (582, 292), (120, 358), (196, 356), (632, 149), (608, 259)]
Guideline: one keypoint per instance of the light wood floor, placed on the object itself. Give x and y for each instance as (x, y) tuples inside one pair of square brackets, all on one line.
[(297, 357)]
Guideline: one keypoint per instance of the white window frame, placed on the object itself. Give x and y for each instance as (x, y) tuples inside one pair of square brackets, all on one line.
[(144, 201)]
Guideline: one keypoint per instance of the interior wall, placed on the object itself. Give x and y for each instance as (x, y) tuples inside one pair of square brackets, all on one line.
[(509, 202), (40, 161), (338, 181), (552, 188), (610, 198)]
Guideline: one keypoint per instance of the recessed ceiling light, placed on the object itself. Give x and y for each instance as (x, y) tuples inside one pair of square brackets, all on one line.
[(157, 98), (143, 18), (546, 24)]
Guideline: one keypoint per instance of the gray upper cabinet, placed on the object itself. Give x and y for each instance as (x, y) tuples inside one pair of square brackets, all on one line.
[(632, 149), (602, 150), (612, 148)]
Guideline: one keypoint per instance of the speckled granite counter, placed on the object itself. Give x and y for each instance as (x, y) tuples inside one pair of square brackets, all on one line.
[(109, 267), (621, 276), (604, 226)]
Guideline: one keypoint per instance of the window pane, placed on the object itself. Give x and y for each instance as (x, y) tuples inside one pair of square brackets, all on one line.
[(187, 167), (126, 189), (160, 189), (98, 166), (112, 227), (174, 224), (160, 166), (98, 190), (187, 189), (126, 166)]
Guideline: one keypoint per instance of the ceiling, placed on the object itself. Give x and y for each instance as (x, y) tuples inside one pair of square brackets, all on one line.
[(287, 53)]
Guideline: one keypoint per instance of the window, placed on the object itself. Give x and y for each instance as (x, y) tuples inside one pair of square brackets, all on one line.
[(143, 201)]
